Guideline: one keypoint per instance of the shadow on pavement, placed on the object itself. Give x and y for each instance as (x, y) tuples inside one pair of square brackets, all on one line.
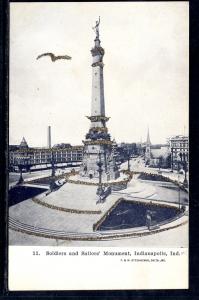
[(18, 194)]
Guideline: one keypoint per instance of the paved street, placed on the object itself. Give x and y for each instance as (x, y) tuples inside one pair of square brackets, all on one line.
[(137, 164), (14, 177)]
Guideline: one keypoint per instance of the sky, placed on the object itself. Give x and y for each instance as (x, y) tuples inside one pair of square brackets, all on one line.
[(145, 73)]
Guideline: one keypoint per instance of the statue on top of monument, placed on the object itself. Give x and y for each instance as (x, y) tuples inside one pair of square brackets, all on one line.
[(96, 28)]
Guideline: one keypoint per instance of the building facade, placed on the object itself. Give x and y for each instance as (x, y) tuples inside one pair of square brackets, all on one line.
[(179, 147), (29, 157)]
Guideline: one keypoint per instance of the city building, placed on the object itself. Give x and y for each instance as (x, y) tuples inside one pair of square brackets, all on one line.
[(30, 157), (179, 148), (160, 157)]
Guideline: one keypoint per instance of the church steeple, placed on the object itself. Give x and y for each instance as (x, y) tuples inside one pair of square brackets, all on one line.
[(148, 141), (148, 149)]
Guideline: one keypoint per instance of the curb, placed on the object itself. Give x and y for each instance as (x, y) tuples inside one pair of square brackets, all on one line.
[(94, 237)]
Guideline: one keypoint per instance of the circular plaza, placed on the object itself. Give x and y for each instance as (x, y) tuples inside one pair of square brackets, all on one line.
[(71, 214)]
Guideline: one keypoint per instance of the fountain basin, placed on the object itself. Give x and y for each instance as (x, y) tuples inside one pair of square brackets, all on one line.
[(131, 214)]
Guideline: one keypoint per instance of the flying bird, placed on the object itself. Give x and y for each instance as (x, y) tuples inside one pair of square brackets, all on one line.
[(53, 57)]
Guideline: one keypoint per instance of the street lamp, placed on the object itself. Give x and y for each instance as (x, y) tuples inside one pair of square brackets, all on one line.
[(180, 154), (22, 162), (128, 159), (52, 181), (100, 190), (185, 182), (172, 159), (160, 164), (179, 184), (105, 158), (53, 164), (20, 166)]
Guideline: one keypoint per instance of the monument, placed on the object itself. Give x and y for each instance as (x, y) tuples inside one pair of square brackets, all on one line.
[(98, 146)]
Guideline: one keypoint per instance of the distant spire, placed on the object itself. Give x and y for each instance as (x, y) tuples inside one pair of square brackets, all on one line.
[(148, 138), (23, 143)]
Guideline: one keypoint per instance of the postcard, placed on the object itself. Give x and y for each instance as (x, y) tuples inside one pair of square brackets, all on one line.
[(98, 146)]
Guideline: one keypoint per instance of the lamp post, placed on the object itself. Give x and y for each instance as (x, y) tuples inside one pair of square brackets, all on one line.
[(20, 166), (53, 164), (100, 189), (129, 166), (185, 182), (105, 158), (179, 184), (180, 154), (23, 162), (172, 159), (160, 164), (52, 181)]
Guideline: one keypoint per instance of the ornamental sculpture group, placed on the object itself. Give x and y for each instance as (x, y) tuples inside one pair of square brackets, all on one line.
[(96, 28)]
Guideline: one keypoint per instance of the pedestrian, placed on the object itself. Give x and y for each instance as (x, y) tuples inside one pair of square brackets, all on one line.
[(148, 220)]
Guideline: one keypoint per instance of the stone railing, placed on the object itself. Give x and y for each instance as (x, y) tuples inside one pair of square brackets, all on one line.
[(100, 221), (98, 142), (64, 209), (158, 177)]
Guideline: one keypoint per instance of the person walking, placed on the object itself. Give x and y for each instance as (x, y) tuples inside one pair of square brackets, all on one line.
[(148, 220)]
